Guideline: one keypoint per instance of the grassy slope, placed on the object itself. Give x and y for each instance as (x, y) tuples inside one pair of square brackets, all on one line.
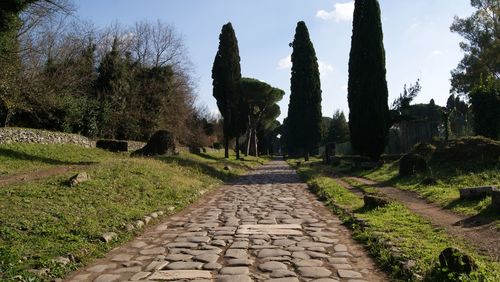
[(42, 220), (18, 158), (416, 238), (445, 193)]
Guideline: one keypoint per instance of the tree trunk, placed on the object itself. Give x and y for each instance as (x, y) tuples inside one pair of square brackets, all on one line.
[(7, 118), (249, 138), (255, 148), (306, 155), (237, 147), (226, 147)]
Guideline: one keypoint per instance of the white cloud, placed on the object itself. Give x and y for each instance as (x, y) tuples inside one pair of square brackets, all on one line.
[(285, 63), (341, 12), (414, 26), (325, 68), (436, 52)]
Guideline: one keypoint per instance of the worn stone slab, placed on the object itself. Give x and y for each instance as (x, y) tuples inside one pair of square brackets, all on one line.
[(275, 229), (180, 274), (234, 278), (238, 270), (314, 272), (182, 265), (349, 274)]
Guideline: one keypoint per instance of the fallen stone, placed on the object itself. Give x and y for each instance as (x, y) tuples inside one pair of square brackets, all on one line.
[(79, 178), (475, 192), (62, 260), (455, 260), (108, 237), (372, 201), (40, 272), (139, 224)]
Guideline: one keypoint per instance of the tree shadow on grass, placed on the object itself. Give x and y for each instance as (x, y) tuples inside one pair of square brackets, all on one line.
[(207, 169), (484, 217), (207, 156), (12, 154)]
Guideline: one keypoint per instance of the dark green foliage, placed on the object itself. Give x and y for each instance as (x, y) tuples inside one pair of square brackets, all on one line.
[(481, 32), (369, 119), (226, 75), (304, 110), (339, 129), (459, 116), (260, 101), (326, 123), (402, 103), (485, 100)]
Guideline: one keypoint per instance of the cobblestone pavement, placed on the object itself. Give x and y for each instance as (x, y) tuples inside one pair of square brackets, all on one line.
[(266, 226)]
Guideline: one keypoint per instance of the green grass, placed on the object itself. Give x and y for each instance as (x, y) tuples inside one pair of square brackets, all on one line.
[(18, 157), (41, 220), (446, 192), (412, 236)]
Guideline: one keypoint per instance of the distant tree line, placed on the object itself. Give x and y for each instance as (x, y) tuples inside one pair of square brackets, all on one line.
[(63, 74)]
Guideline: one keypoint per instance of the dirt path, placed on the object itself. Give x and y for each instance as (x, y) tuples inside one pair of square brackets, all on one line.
[(39, 174), (266, 226), (474, 230)]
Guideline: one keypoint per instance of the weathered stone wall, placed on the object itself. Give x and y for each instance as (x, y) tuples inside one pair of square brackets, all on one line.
[(27, 135)]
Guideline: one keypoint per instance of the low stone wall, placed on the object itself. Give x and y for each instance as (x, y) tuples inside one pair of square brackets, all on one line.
[(135, 145), (27, 135)]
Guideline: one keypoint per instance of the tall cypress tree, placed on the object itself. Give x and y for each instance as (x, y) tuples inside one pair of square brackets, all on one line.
[(304, 110), (226, 75), (369, 119)]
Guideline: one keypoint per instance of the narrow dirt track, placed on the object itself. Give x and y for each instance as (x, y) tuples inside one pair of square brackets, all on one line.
[(266, 226), (474, 230), (38, 174)]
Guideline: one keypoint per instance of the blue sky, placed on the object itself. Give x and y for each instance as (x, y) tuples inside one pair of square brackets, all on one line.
[(417, 39)]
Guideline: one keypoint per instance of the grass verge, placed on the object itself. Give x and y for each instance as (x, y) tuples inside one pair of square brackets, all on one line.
[(19, 157), (404, 244), (45, 219)]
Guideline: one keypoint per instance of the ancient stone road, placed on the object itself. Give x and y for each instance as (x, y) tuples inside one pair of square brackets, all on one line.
[(265, 227)]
